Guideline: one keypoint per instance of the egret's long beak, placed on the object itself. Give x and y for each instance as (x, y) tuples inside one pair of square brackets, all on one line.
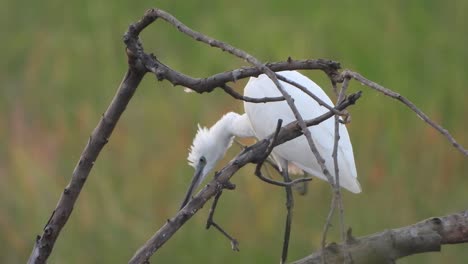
[(194, 184)]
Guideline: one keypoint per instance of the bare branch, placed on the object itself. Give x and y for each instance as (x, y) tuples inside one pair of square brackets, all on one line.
[(409, 104), (337, 189), (309, 93), (387, 246), (98, 139), (238, 96), (258, 168), (289, 208), (327, 225), (201, 85), (210, 222), (336, 199)]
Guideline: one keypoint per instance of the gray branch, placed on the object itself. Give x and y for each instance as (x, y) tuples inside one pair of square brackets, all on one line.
[(98, 139), (141, 63), (387, 246), (409, 104)]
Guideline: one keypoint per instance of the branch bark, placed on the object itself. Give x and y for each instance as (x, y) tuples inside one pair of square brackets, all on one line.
[(358, 77), (98, 139), (387, 246)]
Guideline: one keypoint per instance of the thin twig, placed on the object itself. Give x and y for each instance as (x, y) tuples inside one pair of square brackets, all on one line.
[(234, 242), (309, 93), (289, 208), (409, 104), (210, 222), (341, 97), (238, 96), (258, 168), (337, 186), (327, 226), (260, 175), (336, 199)]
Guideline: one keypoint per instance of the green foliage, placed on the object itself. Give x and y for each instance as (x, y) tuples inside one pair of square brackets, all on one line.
[(61, 65)]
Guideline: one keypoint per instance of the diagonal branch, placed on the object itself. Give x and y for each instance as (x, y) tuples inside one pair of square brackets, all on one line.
[(98, 139), (387, 246), (409, 104), (309, 93)]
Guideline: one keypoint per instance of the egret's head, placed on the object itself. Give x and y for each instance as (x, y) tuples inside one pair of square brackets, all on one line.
[(208, 147), (205, 152)]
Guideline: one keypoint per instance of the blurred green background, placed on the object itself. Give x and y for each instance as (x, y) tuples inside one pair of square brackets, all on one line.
[(62, 63)]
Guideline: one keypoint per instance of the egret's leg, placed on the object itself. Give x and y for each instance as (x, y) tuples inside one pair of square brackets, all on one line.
[(289, 208)]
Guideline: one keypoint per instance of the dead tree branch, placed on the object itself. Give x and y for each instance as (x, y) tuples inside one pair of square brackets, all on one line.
[(210, 222), (141, 63), (98, 139), (358, 77), (336, 199), (387, 246)]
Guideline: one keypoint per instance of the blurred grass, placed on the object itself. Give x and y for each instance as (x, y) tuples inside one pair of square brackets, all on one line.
[(61, 66)]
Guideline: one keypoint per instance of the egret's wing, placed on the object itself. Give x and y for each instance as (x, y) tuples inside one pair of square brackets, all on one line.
[(264, 117)]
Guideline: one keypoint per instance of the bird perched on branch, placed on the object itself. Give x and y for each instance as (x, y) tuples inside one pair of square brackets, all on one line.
[(259, 121)]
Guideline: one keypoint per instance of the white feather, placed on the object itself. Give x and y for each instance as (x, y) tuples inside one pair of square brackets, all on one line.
[(264, 117)]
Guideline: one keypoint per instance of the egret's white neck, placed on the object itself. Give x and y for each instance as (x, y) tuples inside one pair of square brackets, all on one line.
[(213, 143), (232, 125)]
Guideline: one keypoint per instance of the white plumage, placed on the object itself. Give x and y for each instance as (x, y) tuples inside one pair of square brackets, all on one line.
[(264, 118), (260, 121)]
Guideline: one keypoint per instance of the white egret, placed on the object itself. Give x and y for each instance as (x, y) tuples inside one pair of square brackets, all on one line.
[(210, 145), (260, 120), (264, 117)]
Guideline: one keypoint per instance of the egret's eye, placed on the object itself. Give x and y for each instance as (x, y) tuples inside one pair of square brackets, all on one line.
[(202, 159)]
